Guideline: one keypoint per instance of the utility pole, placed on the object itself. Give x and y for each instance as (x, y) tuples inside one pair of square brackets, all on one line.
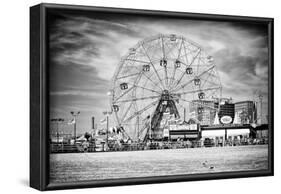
[(150, 131), (107, 113), (107, 126), (58, 133), (258, 94), (260, 99), (138, 127), (74, 114)]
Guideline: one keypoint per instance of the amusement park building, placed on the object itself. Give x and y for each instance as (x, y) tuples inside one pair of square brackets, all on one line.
[(226, 109), (204, 111), (247, 111)]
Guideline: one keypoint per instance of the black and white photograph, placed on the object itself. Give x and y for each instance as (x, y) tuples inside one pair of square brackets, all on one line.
[(139, 95)]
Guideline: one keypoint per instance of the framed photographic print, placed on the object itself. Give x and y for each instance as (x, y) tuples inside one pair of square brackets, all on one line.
[(124, 96)]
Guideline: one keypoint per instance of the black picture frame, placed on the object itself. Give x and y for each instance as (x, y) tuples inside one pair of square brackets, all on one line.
[(39, 153)]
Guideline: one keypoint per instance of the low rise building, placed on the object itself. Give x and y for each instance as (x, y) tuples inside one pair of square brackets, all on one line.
[(246, 111)]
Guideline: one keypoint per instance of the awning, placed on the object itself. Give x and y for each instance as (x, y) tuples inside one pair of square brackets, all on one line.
[(184, 136), (221, 132), (235, 132), (213, 133)]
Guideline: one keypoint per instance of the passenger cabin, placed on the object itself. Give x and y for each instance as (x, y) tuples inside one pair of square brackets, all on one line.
[(201, 95), (197, 81), (177, 64), (124, 86), (115, 108), (163, 62), (189, 70), (210, 59), (132, 51), (146, 68)]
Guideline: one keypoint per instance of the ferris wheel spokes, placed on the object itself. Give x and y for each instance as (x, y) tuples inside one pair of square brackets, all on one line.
[(126, 112), (200, 104), (127, 76), (137, 99), (175, 66), (165, 62), (128, 90), (195, 91), (135, 60), (153, 82), (144, 74), (182, 75), (141, 111), (134, 85), (148, 89), (207, 81), (190, 81), (153, 66)]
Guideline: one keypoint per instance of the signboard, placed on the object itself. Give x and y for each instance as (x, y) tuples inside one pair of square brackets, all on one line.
[(184, 136), (166, 132), (235, 132), (193, 127), (226, 119), (183, 127), (173, 127), (213, 133)]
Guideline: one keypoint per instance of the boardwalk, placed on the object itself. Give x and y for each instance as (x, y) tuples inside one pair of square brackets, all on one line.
[(110, 165)]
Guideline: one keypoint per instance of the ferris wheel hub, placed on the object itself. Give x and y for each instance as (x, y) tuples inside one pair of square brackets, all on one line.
[(165, 95)]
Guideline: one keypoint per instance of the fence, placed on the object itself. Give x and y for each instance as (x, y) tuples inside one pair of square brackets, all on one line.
[(151, 145)]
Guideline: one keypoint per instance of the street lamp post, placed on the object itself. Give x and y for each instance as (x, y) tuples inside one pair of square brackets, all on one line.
[(75, 114)]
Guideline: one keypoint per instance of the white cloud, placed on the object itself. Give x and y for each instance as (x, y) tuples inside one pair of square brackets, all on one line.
[(216, 45), (102, 43)]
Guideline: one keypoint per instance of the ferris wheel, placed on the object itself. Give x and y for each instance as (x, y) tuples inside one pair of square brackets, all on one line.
[(160, 74)]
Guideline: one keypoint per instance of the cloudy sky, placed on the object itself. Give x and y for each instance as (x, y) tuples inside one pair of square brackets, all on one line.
[(85, 50)]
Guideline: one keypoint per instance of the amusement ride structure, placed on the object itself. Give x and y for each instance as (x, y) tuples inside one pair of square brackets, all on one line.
[(157, 81)]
